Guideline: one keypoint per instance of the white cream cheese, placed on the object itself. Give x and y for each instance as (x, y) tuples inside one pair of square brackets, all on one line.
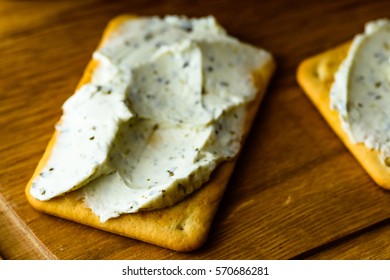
[(361, 91), (164, 107), (89, 123)]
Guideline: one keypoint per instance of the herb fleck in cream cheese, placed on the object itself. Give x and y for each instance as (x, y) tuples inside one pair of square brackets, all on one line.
[(165, 105), (361, 91)]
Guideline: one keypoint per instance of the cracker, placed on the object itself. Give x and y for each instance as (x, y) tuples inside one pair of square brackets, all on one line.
[(316, 75), (182, 227)]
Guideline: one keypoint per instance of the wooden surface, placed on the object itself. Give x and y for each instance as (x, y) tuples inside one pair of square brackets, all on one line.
[(296, 192)]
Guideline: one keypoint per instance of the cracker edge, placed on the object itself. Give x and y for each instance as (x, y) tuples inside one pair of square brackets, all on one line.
[(315, 75), (183, 227)]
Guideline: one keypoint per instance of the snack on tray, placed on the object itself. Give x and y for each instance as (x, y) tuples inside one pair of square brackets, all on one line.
[(349, 85), (147, 143)]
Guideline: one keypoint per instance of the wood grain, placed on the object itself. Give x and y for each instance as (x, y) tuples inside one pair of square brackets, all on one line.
[(369, 244), (21, 242), (296, 191)]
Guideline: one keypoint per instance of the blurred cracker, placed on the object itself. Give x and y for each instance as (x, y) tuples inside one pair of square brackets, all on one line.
[(316, 75)]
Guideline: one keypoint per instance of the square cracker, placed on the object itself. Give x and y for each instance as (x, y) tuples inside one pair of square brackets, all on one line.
[(316, 75), (182, 227)]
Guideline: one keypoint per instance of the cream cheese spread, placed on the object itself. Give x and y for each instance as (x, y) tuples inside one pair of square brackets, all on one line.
[(361, 90), (166, 105)]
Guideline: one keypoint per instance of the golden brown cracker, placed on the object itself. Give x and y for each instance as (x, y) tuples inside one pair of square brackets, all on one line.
[(316, 75), (182, 227)]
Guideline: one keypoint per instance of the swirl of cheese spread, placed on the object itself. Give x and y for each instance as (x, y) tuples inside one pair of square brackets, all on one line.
[(361, 90), (165, 105)]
